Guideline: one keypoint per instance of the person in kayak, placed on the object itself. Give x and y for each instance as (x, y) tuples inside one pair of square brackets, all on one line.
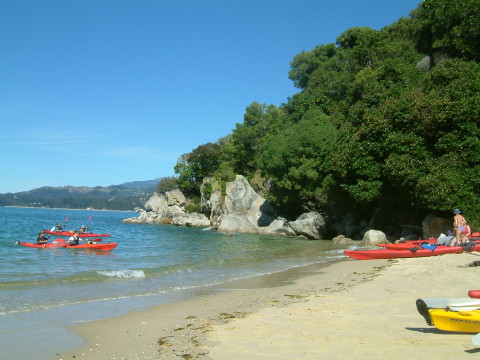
[(460, 228), (74, 240), (42, 239), (83, 229)]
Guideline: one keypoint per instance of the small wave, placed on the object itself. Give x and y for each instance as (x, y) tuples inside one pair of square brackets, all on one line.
[(124, 274)]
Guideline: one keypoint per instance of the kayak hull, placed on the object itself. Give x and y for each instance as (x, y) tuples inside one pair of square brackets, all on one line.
[(409, 244), (70, 233), (457, 321), (55, 245), (474, 294), (395, 254), (401, 246)]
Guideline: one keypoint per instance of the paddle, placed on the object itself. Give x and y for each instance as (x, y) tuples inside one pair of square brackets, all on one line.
[(89, 218)]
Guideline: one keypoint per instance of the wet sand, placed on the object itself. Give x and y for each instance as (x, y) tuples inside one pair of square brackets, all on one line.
[(350, 309)]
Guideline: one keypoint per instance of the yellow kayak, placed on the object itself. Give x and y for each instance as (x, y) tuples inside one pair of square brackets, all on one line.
[(458, 321)]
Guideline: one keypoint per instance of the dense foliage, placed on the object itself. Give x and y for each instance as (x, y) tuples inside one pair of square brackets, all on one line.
[(382, 117), (166, 184)]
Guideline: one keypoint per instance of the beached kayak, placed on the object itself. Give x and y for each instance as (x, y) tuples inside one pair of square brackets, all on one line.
[(402, 253), (411, 244), (457, 321), (70, 233), (404, 246), (424, 305), (474, 294), (63, 244)]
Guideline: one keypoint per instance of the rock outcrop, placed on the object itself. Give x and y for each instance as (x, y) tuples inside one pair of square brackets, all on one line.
[(280, 227), (169, 208), (240, 210), (310, 225), (244, 210), (343, 240)]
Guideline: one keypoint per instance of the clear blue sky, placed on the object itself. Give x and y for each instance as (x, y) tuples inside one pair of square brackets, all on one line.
[(101, 92)]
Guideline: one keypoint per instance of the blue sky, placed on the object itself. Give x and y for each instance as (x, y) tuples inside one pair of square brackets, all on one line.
[(101, 92)]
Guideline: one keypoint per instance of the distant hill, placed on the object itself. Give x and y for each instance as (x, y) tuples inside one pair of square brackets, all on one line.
[(141, 184), (126, 196)]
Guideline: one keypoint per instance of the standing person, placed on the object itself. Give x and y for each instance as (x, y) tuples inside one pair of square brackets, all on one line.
[(42, 239), (459, 228), (74, 240)]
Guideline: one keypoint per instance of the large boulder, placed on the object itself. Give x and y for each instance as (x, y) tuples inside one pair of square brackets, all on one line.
[(310, 225), (237, 223), (175, 197), (343, 240), (217, 209), (161, 208), (173, 211), (279, 226), (373, 238), (193, 219), (158, 205), (242, 199), (144, 217), (244, 211)]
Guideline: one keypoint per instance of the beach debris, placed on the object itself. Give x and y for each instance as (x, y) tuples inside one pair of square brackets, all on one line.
[(471, 264), (235, 315), (296, 296), (163, 341)]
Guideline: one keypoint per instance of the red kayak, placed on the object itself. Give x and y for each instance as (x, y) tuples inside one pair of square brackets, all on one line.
[(70, 233), (410, 244), (395, 254), (61, 244), (406, 245), (474, 294)]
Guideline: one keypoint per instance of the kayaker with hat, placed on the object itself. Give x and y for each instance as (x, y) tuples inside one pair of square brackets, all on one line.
[(42, 239)]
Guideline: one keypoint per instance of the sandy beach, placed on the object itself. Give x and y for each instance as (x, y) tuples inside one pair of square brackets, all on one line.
[(351, 309)]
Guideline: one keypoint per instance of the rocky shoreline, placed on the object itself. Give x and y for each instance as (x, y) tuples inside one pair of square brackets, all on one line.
[(240, 209)]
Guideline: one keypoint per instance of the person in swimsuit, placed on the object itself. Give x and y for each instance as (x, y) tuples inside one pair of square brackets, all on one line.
[(460, 228)]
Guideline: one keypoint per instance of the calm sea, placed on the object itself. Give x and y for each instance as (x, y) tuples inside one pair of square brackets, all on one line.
[(44, 291)]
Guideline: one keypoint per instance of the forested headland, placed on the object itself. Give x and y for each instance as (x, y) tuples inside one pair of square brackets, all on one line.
[(385, 121)]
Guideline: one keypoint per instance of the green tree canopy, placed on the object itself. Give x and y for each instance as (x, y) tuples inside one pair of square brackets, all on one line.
[(388, 116)]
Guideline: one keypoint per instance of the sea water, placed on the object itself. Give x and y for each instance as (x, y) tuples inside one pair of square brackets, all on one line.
[(44, 291)]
